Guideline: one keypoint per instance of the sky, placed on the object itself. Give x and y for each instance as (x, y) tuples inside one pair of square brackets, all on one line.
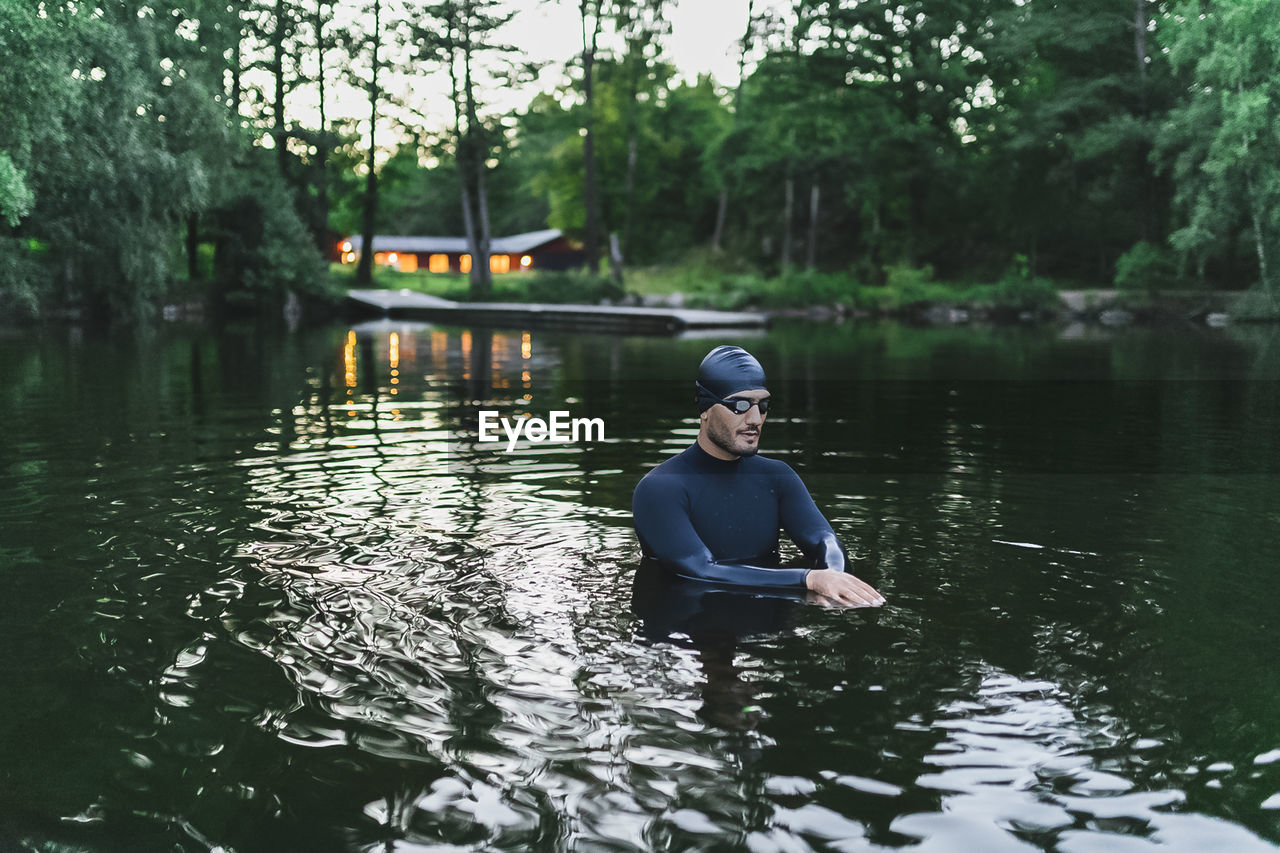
[(704, 33), (704, 39)]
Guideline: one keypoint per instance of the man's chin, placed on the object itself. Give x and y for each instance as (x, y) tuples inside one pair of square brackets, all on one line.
[(748, 448)]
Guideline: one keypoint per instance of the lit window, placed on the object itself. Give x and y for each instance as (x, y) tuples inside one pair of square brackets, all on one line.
[(408, 263), (464, 263), (500, 263), (526, 262), (380, 258), (438, 263)]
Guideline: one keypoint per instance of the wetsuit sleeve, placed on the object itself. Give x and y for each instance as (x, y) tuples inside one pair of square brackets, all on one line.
[(806, 525), (661, 512)]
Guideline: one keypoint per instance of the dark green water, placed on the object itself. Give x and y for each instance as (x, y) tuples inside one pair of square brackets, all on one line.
[(265, 592)]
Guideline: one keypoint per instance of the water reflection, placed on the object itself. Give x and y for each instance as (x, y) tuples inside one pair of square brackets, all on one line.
[(304, 609)]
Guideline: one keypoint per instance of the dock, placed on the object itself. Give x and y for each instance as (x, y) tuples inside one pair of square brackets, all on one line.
[(408, 305)]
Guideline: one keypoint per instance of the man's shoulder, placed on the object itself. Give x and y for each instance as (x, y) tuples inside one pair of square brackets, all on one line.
[(769, 465), (667, 475)]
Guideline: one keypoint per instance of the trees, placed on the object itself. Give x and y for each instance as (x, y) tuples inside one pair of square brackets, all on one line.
[(373, 42), (457, 34), (1222, 140), (591, 14), (94, 93)]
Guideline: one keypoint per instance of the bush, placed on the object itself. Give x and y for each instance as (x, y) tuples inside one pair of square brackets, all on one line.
[(572, 286), (263, 249), (1145, 267), (1255, 304)]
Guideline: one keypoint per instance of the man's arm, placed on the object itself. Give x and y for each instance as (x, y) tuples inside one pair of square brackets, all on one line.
[(661, 514), (812, 533)]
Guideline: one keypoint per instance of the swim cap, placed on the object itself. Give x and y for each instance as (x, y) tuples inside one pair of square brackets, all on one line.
[(726, 370)]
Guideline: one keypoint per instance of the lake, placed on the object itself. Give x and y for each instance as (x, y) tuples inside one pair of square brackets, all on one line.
[(266, 591)]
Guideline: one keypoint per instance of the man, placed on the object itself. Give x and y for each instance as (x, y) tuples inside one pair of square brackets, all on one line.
[(714, 511)]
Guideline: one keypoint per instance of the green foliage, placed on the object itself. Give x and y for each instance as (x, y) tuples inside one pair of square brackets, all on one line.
[(672, 200), (1146, 267), (944, 137), (16, 198), (574, 286), (571, 287), (1222, 141), (1255, 305), (116, 135), (262, 249)]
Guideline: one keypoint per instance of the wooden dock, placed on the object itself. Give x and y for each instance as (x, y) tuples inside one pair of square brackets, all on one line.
[(406, 304)]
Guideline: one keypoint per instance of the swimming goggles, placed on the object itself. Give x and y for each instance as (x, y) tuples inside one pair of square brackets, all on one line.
[(740, 406)]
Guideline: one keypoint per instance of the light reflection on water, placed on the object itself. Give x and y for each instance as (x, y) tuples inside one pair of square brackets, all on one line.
[(361, 628)]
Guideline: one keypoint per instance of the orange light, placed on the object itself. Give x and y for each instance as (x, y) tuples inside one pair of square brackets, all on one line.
[(349, 360), (464, 263), (438, 263), (499, 263)]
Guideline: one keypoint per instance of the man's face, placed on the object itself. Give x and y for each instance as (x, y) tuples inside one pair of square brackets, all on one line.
[(736, 434)]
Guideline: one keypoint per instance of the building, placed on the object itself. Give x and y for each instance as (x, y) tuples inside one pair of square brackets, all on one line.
[(543, 250)]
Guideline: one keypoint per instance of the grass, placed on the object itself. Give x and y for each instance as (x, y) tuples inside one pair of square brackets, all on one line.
[(706, 281), (574, 286)]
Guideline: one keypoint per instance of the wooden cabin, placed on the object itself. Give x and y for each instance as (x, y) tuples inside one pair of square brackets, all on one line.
[(542, 250)]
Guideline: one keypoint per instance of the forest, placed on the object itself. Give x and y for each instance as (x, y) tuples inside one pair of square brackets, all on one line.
[(157, 151)]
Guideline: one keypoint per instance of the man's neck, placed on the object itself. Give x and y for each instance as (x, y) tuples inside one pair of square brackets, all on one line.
[(712, 449)]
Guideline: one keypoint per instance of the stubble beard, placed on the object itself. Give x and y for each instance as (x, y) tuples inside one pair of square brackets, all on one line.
[(727, 439)]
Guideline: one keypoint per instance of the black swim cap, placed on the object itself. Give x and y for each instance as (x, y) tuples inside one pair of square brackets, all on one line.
[(726, 370)]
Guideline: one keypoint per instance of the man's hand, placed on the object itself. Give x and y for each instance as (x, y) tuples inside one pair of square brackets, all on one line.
[(843, 588)]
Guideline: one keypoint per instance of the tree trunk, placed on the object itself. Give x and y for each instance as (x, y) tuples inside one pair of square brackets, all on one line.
[(461, 160), (590, 188), (1140, 38), (633, 145), (788, 213), (193, 247), (481, 274), (484, 238), (633, 157), (237, 92), (278, 133), (717, 236), (811, 256), (322, 140), (615, 259), (1259, 240), (722, 209), (364, 270)]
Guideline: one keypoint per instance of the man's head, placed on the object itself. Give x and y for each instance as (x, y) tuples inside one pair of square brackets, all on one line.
[(726, 375)]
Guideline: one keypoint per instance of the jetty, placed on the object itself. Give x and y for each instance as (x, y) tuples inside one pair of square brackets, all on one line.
[(409, 305)]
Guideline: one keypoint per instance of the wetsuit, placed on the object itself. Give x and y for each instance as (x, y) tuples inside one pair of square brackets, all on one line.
[(718, 520)]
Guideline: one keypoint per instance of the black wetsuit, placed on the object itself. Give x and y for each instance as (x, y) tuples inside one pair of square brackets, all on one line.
[(718, 520)]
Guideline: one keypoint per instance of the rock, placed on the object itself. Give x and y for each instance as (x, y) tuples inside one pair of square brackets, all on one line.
[(1216, 320), (1115, 317)]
